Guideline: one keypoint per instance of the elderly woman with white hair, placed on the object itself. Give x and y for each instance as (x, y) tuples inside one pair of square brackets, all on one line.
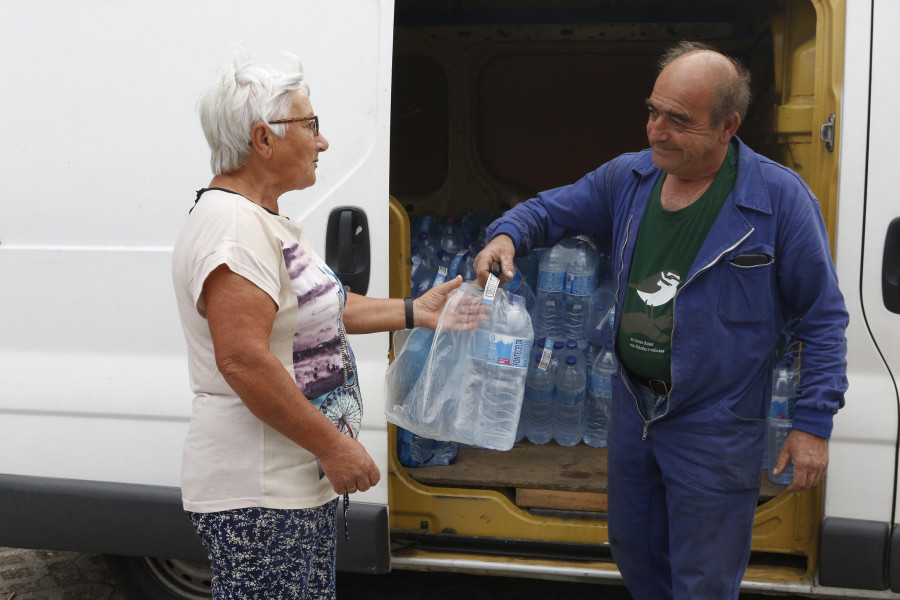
[(276, 412)]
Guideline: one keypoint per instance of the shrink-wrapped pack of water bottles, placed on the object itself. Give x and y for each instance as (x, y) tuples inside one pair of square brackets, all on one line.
[(467, 386), (568, 296)]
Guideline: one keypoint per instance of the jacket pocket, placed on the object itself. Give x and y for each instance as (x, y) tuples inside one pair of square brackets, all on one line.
[(745, 295), (729, 459)]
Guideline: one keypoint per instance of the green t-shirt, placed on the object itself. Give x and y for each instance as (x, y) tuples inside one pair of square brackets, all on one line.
[(667, 244)]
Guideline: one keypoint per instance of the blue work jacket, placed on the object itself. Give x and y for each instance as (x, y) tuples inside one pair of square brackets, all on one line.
[(728, 318)]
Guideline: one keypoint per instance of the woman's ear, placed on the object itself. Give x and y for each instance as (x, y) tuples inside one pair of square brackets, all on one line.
[(260, 140)]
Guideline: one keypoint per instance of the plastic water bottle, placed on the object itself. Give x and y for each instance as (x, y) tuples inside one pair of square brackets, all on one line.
[(781, 417), (528, 266), (506, 370), (467, 267), (777, 431), (581, 270), (578, 316), (551, 303), (598, 404), (537, 408), (572, 349), (569, 403), (581, 280), (414, 450), (421, 275), (558, 355), (451, 239), (548, 314), (518, 286), (426, 245)]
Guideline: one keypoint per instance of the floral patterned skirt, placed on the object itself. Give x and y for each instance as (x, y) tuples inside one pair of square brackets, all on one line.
[(264, 553)]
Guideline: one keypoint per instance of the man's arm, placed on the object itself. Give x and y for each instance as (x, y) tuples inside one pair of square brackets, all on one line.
[(809, 288)]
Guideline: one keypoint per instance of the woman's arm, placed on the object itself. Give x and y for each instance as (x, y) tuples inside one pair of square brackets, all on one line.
[(368, 315), (240, 317)]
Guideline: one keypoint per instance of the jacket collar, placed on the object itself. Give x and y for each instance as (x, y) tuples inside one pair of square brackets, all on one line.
[(750, 189)]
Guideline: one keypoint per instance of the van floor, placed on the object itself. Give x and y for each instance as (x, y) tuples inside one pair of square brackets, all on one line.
[(576, 473)]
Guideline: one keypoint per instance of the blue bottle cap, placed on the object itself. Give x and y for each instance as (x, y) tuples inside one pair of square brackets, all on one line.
[(571, 344), (571, 360)]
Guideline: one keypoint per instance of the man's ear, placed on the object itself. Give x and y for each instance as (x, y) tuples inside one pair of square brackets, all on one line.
[(730, 126), (261, 140)]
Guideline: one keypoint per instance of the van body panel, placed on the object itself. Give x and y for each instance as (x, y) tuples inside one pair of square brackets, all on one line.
[(105, 156), (861, 481), (882, 207)]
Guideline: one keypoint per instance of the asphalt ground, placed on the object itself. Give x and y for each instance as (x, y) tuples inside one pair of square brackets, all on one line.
[(53, 575)]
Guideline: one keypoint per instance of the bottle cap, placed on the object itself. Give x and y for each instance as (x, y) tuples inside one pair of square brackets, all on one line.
[(571, 360), (571, 344)]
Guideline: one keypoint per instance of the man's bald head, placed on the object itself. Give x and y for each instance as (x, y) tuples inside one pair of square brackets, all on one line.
[(729, 78)]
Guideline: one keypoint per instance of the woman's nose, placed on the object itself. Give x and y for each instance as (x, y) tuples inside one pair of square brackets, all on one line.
[(321, 142)]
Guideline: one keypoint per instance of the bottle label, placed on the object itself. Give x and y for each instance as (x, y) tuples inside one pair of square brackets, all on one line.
[(490, 289), (546, 355), (552, 282), (601, 386), (508, 350), (441, 276), (581, 285)]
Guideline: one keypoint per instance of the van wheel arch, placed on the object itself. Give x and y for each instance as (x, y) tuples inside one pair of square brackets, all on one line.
[(150, 578)]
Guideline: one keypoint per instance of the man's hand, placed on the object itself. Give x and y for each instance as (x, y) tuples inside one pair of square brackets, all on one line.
[(499, 250), (809, 453)]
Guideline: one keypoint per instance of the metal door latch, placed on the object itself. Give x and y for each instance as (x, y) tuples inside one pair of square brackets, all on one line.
[(826, 133)]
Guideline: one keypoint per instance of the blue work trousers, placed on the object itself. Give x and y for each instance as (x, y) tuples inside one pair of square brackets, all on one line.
[(682, 501)]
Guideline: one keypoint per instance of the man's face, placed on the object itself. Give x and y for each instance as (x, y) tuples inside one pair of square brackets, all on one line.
[(678, 122)]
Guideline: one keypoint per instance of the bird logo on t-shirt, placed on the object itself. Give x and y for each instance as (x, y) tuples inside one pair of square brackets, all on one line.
[(657, 291)]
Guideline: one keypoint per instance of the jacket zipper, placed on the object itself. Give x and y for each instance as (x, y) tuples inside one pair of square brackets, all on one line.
[(674, 299)]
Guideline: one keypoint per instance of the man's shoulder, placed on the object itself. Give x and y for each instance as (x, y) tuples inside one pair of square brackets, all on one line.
[(641, 161), (774, 173)]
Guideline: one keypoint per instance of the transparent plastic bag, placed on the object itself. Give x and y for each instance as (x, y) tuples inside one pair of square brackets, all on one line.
[(471, 386)]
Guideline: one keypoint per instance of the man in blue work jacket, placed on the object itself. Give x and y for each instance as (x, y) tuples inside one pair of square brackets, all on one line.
[(715, 250)]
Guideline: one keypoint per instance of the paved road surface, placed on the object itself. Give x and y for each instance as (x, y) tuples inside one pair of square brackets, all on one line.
[(50, 575)]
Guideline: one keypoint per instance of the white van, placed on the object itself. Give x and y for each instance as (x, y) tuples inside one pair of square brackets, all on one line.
[(448, 107)]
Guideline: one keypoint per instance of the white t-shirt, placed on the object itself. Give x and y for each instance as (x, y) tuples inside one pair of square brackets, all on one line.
[(232, 459)]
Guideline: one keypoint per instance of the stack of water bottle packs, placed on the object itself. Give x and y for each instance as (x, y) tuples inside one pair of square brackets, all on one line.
[(568, 295), (568, 298)]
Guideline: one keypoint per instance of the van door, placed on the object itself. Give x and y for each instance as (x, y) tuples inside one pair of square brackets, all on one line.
[(881, 247), (102, 157), (861, 488)]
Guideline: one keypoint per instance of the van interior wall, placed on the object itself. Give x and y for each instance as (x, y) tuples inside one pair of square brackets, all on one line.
[(491, 105)]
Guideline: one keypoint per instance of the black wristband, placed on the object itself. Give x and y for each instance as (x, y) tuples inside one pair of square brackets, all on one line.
[(409, 312)]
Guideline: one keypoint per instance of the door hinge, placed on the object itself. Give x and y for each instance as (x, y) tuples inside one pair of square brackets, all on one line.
[(826, 133)]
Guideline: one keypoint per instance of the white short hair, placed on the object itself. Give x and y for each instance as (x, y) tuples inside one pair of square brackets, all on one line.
[(247, 93)]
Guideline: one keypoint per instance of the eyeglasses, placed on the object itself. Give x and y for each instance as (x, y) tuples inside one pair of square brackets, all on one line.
[(314, 119)]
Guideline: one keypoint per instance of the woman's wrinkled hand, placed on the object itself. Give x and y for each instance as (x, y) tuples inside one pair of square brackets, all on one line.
[(464, 313), (349, 467)]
